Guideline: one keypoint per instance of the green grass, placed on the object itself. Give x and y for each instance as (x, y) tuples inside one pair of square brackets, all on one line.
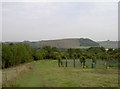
[(48, 74)]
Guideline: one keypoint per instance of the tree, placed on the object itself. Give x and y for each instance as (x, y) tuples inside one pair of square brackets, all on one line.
[(82, 60), (15, 53)]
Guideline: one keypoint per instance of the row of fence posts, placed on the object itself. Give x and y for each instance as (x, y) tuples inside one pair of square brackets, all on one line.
[(93, 65), (60, 64)]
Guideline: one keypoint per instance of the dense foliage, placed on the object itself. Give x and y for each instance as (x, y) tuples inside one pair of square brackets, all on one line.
[(16, 53)]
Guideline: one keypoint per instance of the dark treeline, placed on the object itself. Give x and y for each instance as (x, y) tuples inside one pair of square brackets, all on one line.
[(17, 53)]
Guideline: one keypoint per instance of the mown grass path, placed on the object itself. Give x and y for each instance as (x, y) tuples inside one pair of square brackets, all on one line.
[(48, 74)]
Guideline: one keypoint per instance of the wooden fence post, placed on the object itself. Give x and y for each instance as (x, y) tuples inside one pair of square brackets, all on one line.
[(66, 62), (59, 62), (74, 62), (80, 62)]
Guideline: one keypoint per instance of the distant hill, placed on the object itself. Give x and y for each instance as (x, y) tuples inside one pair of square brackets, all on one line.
[(71, 43), (109, 44), (64, 43)]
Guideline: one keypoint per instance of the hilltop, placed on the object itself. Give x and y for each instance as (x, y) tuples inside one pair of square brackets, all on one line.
[(71, 43), (64, 43)]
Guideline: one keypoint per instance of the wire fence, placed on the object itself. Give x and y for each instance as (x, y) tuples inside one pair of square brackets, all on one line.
[(100, 64)]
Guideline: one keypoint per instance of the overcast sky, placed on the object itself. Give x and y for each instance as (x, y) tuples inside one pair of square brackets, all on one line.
[(57, 20)]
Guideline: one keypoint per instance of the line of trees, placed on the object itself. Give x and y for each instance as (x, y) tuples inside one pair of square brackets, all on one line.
[(16, 53)]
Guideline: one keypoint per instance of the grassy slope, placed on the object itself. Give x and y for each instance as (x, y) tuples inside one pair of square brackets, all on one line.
[(48, 74)]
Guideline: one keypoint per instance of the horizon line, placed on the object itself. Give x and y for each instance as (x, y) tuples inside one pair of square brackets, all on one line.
[(57, 39)]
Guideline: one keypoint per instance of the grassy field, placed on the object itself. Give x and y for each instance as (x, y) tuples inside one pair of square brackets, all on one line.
[(48, 74)]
